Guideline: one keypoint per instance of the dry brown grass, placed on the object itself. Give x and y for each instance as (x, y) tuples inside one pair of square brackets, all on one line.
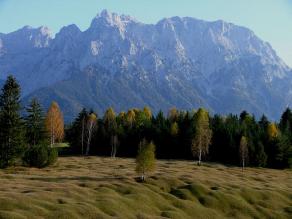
[(95, 187)]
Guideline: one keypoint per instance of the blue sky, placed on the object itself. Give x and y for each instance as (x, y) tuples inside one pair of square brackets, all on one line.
[(269, 19)]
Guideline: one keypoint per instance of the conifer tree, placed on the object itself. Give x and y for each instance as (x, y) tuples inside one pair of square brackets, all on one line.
[(11, 124), (34, 123)]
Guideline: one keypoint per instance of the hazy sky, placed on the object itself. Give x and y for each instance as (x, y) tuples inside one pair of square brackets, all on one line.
[(269, 19)]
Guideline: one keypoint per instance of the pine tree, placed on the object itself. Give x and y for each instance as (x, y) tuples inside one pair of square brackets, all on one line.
[(11, 124), (261, 156), (34, 123), (76, 133), (55, 123), (283, 155), (145, 161), (286, 121)]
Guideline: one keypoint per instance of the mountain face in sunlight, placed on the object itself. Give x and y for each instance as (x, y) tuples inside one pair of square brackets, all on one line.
[(120, 62)]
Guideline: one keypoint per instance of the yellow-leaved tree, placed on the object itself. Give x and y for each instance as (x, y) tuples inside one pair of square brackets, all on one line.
[(147, 112), (55, 123), (130, 118), (272, 131), (173, 114), (145, 160), (243, 151), (203, 134), (174, 129), (111, 126), (90, 127)]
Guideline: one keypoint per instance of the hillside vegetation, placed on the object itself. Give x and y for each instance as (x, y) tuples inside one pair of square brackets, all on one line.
[(93, 187)]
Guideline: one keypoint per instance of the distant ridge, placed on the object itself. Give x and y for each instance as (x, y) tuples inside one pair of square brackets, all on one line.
[(121, 62)]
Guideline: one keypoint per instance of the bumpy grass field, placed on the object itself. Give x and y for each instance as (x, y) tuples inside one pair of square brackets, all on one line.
[(94, 187)]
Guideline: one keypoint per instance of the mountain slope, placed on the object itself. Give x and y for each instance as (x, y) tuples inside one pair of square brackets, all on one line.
[(123, 63)]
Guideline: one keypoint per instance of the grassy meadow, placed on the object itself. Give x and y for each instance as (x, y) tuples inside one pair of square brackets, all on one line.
[(93, 187)]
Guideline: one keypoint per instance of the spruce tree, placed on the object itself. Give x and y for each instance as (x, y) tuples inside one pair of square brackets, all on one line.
[(11, 124), (76, 133), (34, 123)]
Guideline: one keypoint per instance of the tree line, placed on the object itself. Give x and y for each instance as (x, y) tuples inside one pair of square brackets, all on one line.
[(32, 137), (234, 140)]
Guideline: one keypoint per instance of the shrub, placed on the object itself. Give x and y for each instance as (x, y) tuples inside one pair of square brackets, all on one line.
[(40, 156), (52, 156)]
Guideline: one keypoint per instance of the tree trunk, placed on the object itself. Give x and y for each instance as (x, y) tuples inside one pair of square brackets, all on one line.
[(143, 176), (112, 144), (82, 138), (200, 157), (52, 133), (88, 140)]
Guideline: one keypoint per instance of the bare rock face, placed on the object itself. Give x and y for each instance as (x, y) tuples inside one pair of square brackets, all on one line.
[(121, 62)]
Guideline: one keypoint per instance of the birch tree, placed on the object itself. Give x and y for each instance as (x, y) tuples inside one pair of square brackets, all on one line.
[(55, 123), (145, 161), (91, 125), (110, 124), (243, 151), (203, 135), (130, 118)]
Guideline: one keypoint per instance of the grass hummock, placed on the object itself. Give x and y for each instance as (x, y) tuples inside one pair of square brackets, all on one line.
[(92, 187)]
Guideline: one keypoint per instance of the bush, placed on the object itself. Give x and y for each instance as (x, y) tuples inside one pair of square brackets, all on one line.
[(52, 156), (40, 156)]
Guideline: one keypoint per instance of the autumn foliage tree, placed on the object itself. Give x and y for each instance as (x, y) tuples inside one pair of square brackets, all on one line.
[(203, 135), (243, 151), (55, 123), (111, 126), (273, 132), (90, 127), (145, 160)]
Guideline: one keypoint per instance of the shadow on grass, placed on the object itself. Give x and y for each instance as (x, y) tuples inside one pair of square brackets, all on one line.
[(76, 178)]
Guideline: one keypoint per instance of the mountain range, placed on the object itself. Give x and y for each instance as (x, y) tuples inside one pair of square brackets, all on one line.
[(122, 63)]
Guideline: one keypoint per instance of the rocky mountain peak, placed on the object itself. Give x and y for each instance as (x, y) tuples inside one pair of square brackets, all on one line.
[(179, 61), (111, 19)]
